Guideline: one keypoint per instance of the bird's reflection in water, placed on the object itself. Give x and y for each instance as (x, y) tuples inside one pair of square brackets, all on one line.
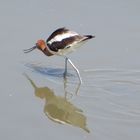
[(59, 109), (67, 93)]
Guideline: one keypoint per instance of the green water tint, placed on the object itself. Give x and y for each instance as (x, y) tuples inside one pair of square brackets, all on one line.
[(59, 109)]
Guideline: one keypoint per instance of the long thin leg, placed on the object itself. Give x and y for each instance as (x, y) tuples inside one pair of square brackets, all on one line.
[(77, 71), (65, 72)]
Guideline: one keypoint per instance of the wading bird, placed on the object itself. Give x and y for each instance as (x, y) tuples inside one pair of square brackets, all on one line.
[(61, 42)]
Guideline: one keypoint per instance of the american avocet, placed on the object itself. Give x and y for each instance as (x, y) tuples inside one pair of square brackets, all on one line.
[(61, 42)]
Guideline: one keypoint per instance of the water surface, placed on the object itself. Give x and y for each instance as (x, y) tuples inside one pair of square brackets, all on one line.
[(106, 106)]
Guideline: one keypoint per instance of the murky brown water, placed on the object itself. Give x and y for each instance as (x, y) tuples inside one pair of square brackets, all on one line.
[(36, 102)]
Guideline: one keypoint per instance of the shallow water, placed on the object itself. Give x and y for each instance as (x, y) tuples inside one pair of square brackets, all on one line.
[(36, 102)]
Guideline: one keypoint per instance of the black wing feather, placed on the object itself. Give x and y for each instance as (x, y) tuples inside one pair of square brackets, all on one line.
[(65, 43), (56, 32)]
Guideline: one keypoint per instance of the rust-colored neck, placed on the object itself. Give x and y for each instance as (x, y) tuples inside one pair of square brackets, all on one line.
[(46, 51)]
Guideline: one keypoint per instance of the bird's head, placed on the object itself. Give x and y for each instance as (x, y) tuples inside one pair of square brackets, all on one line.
[(40, 44)]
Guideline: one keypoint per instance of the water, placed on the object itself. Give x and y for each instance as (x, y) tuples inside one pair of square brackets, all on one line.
[(38, 103)]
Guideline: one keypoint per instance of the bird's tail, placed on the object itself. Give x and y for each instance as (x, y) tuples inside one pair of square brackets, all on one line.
[(88, 37)]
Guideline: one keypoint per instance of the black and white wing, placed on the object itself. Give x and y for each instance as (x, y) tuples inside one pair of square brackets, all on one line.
[(63, 38), (57, 32)]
